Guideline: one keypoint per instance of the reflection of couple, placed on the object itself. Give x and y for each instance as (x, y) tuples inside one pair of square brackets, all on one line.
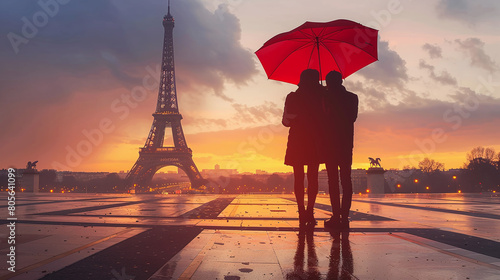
[(341, 263), (321, 122)]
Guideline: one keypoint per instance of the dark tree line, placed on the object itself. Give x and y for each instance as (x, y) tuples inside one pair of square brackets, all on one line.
[(480, 173), (435, 181), (111, 183), (252, 183)]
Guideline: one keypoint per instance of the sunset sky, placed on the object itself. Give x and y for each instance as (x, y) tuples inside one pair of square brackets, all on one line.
[(66, 86)]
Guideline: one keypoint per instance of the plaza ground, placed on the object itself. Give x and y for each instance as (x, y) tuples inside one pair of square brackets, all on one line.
[(109, 236)]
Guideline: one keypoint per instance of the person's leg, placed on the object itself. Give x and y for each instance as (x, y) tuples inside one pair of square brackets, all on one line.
[(333, 188), (298, 188), (312, 192), (312, 185), (345, 179)]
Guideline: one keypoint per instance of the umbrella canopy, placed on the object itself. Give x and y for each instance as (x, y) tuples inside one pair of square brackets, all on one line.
[(341, 45)]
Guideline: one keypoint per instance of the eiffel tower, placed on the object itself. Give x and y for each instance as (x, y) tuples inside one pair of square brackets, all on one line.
[(154, 155)]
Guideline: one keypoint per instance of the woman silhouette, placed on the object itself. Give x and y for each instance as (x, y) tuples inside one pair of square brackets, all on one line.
[(303, 113)]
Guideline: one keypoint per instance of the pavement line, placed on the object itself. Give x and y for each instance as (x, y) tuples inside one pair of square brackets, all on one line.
[(444, 210), (408, 237), (193, 266), (55, 201), (233, 212), (65, 254), (98, 207)]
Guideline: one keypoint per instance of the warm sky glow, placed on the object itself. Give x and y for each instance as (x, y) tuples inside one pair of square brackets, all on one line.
[(67, 91)]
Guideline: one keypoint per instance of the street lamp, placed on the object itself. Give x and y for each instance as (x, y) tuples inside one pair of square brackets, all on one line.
[(455, 183)]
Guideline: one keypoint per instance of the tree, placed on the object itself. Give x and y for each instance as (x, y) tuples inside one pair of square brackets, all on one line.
[(408, 167), (113, 183), (482, 169), (498, 161), (429, 165), (275, 182), (479, 152)]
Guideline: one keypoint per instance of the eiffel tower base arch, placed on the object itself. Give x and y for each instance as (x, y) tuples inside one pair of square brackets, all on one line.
[(148, 164)]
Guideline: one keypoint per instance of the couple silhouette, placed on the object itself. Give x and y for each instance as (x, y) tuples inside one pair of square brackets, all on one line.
[(321, 121)]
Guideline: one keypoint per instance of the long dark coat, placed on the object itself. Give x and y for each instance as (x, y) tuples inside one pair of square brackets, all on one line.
[(304, 113), (342, 111)]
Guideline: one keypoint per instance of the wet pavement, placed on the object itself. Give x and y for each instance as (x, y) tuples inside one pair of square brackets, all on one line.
[(106, 236)]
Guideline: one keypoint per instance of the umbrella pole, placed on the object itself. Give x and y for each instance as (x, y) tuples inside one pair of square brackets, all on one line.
[(319, 61)]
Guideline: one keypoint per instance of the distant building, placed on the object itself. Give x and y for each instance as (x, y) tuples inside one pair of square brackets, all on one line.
[(218, 172), (173, 175), (80, 176), (359, 180), (122, 174), (358, 177)]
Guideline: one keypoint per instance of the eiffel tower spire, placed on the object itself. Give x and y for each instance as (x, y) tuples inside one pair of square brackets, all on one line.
[(168, 11), (167, 97), (154, 155)]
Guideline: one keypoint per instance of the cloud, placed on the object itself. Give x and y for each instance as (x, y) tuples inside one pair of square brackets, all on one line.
[(204, 123), (473, 47), (384, 81), (424, 127), (467, 11), (424, 65), (90, 53), (257, 114), (389, 70), (434, 51), (444, 77), (370, 97), (241, 115), (118, 40), (417, 112), (211, 52)]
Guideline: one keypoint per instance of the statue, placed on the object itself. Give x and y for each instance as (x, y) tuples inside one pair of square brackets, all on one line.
[(375, 162), (31, 165)]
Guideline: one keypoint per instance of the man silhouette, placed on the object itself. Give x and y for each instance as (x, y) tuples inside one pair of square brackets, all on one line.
[(342, 111)]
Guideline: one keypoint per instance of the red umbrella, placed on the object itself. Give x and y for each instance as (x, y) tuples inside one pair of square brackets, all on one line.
[(342, 45)]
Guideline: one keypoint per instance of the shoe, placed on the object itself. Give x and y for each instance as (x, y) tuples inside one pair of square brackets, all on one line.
[(332, 223), (310, 218)]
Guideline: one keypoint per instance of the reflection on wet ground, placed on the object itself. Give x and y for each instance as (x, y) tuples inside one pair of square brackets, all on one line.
[(411, 236), (340, 265)]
